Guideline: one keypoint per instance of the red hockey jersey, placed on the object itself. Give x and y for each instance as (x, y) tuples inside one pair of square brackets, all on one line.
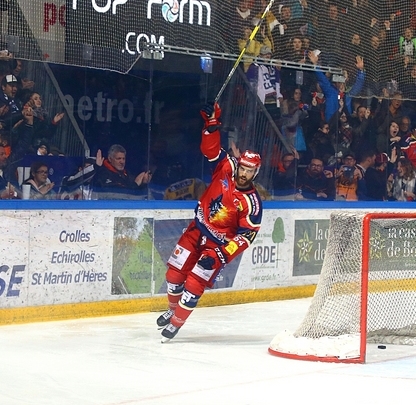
[(225, 214), (410, 150)]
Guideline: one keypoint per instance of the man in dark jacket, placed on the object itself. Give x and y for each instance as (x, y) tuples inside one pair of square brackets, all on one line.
[(375, 169), (315, 183), (112, 181), (9, 86)]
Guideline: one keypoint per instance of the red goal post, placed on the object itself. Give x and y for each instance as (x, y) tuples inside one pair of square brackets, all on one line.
[(366, 290)]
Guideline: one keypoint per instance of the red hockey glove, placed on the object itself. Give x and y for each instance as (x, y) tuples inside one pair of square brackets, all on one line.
[(211, 115), (212, 259)]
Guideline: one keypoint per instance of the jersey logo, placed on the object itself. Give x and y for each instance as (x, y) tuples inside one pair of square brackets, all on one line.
[(215, 206), (217, 211), (251, 155), (225, 184), (231, 248), (238, 204)]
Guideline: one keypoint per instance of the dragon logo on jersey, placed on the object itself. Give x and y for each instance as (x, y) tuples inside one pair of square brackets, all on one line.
[(217, 211)]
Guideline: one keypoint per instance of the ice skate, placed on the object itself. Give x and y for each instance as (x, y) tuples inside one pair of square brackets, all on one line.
[(169, 333), (164, 319)]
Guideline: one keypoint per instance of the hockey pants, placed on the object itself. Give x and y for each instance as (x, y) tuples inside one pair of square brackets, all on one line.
[(186, 283)]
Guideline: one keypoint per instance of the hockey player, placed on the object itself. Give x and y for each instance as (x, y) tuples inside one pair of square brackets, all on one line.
[(227, 219)]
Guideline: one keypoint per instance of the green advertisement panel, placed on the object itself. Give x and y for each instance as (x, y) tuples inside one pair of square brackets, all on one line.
[(310, 241)]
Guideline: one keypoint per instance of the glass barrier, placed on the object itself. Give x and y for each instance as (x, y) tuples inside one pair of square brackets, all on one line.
[(98, 134)]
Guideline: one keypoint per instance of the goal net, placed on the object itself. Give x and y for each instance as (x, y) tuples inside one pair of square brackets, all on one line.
[(365, 294), (112, 34)]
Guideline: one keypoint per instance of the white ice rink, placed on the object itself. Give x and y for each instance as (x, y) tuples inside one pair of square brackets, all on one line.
[(219, 357)]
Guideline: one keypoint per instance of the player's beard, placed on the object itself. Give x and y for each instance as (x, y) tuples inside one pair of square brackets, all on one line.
[(242, 182)]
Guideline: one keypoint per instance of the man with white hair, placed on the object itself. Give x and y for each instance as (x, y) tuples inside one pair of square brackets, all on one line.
[(114, 181)]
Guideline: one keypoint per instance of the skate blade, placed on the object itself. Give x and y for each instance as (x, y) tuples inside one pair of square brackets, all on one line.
[(165, 340)]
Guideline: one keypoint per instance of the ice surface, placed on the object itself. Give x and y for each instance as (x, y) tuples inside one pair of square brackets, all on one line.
[(219, 357)]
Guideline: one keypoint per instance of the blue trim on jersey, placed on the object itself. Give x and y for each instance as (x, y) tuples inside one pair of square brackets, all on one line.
[(204, 231)]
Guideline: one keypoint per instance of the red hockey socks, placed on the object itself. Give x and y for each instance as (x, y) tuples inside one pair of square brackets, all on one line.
[(187, 303), (174, 295)]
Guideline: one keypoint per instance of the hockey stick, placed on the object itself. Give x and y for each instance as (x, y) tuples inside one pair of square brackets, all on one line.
[(252, 35)]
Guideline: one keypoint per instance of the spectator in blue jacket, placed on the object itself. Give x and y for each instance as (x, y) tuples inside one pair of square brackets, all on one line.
[(336, 90)]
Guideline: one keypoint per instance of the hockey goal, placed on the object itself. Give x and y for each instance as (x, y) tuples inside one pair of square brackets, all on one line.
[(366, 291)]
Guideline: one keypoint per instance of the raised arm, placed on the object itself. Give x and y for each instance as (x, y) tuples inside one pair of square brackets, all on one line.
[(211, 137)]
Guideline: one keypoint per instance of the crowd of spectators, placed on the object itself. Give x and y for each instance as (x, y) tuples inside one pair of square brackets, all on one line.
[(26, 128), (351, 136), (348, 148), (27, 155), (341, 127), (381, 31)]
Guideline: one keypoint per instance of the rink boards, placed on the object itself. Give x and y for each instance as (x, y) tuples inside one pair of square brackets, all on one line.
[(60, 263)]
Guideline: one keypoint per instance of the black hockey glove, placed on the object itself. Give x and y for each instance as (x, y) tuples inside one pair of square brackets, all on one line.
[(212, 259), (211, 114)]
